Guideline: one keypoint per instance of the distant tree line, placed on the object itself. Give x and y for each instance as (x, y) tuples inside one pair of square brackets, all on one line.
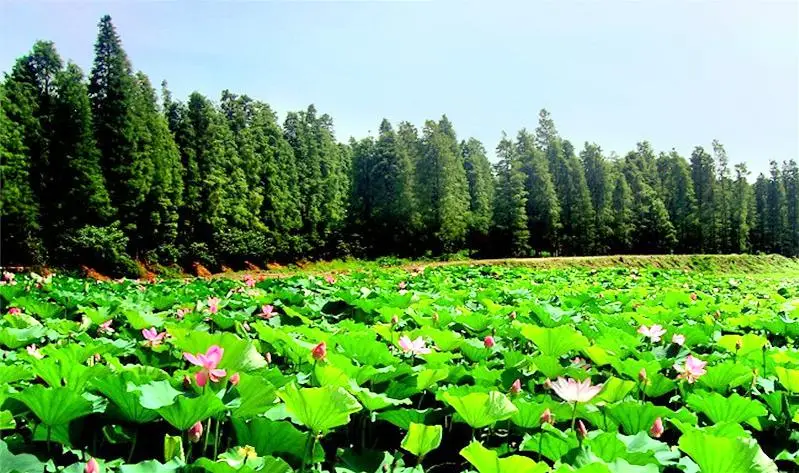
[(104, 172)]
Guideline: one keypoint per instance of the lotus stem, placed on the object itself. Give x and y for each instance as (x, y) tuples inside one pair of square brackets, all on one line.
[(574, 415), (216, 438), (133, 444)]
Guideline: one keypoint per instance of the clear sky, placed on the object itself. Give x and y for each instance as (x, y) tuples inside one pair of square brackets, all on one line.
[(676, 73)]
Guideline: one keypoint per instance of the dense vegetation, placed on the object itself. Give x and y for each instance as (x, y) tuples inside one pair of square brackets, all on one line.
[(402, 371), (103, 172)]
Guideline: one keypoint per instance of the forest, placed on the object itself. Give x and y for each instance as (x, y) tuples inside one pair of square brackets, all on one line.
[(108, 172)]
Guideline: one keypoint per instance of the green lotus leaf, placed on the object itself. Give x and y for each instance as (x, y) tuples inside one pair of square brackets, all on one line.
[(422, 439), (615, 390), (187, 411), (488, 461), (555, 341), (256, 396), (7, 421), (319, 409), (481, 409), (14, 338), (154, 395), (373, 401), (725, 455), (749, 343), (724, 376), (67, 373), (403, 418), (22, 463), (734, 408), (13, 373), (368, 461), (125, 403), (634, 417), (152, 466), (789, 378), (427, 378), (550, 442), (55, 406), (269, 437), (173, 448), (268, 465)]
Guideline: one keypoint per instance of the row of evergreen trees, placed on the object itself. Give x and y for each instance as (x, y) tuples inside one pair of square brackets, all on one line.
[(102, 172)]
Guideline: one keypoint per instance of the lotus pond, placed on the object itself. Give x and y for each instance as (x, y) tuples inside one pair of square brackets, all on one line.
[(490, 369)]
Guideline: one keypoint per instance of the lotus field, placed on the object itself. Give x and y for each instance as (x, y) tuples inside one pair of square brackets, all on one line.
[(493, 369)]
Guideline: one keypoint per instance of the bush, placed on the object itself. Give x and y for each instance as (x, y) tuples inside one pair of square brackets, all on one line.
[(101, 248)]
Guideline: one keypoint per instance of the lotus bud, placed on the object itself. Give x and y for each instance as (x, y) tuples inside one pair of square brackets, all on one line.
[(195, 432), (394, 320), (319, 352), (642, 375), (547, 417), (512, 315), (91, 466), (739, 344), (268, 357), (582, 432), (186, 382), (234, 380), (548, 384), (516, 387), (489, 342), (657, 428), (14, 311), (435, 317), (693, 296)]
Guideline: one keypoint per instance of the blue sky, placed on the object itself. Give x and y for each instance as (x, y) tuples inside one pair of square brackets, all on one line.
[(676, 73)]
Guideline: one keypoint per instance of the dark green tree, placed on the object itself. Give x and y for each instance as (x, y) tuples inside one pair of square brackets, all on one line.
[(443, 190), (621, 224), (653, 231), (723, 199), (679, 199), (741, 202), (543, 207), (703, 175), (510, 233), (600, 187), (481, 193)]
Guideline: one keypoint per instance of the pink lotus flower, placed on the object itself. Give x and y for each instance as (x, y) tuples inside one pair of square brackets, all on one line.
[(209, 362), (182, 313), (678, 339), (516, 387), (402, 285), (512, 315), (319, 352), (245, 326), (249, 280), (330, 279), (268, 357), (152, 336), (195, 432), (14, 311), (34, 352), (91, 466), (571, 390), (642, 375), (213, 305), (267, 312), (8, 276), (582, 432), (105, 328), (657, 428), (654, 333), (581, 363), (489, 342), (547, 417), (416, 347), (693, 296), (234, 380), (691, 370)]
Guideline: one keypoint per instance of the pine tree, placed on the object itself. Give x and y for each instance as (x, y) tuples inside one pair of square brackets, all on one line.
[(621, 224), (580, 229), (776, 212), (481, 193), (158, 218), (543, 207), (703, 175), (74, 173), (361, 195), (127, 168), (679, 199), (598, 180), (790, 177), (741, 204), (19, 206), (443, 191), (511, 235), (759, 233), (723, 199), (653, 231)]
